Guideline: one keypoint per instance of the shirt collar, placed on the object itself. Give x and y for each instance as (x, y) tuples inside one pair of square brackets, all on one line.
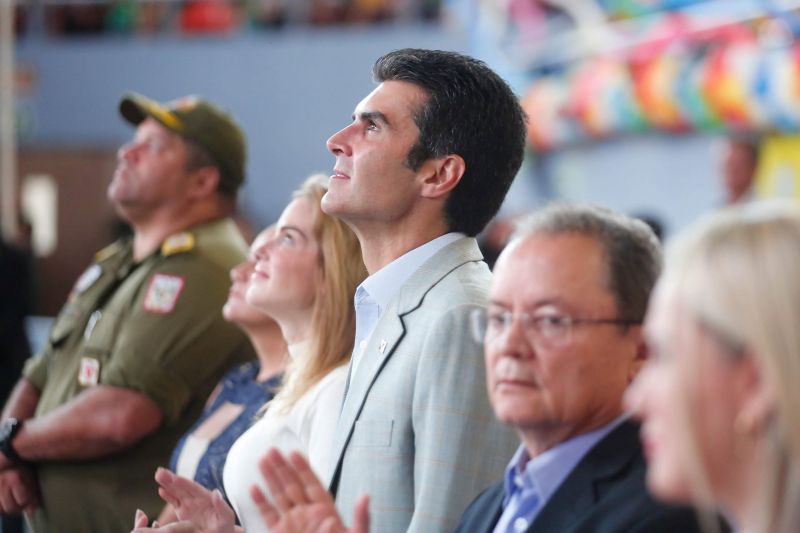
[(545, 472), (382, 286)]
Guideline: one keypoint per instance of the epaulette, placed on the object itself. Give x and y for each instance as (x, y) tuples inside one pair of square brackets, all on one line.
[(107, 252), (175, 244)]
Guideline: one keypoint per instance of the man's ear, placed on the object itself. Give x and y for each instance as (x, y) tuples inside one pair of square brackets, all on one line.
[(640, 353), (441, 175), (205, 181)]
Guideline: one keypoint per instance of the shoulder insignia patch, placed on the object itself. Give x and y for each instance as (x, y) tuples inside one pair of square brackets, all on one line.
[(180, 242), (163, 293)]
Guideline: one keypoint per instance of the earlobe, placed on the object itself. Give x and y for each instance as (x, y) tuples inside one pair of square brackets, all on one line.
[(205, 182), (639, 356), (758, 402), (443, 175)]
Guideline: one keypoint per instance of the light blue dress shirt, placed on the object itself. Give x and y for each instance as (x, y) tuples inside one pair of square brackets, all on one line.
[(529, 483), (374, 294)]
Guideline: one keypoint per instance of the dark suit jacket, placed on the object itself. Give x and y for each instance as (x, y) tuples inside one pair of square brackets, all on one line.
[(605, 493)]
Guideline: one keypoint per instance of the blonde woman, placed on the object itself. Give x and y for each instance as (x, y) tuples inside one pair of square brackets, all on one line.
[(719, 398), (304, 278)]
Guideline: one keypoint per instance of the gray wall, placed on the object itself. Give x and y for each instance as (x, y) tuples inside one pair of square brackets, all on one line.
[(671, 177), (289, 90), (292, 90)]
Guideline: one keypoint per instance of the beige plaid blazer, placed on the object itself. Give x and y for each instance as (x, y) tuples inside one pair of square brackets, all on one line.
[(416, 430)]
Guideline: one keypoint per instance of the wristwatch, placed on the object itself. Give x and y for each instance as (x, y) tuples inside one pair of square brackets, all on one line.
[(8, 430)]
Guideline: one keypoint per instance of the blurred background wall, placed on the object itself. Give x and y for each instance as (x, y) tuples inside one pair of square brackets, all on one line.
[(621, 96)]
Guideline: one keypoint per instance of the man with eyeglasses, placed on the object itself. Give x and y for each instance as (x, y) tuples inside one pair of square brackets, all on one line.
[(561, 348), (562, 341), (141, 340)]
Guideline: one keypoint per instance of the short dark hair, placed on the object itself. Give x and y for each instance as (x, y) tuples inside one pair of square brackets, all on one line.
[(471, 112), (631, 248), (198, 157)]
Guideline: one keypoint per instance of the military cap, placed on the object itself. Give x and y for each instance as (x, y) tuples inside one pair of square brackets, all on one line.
[(200, 121)]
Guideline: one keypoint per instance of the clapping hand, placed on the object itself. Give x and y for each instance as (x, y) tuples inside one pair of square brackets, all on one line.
[(300, 503), (197, 508), (19, 490)]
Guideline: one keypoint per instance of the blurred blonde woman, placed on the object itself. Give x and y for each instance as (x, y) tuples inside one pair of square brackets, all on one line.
[(304, 278), (720, 397)]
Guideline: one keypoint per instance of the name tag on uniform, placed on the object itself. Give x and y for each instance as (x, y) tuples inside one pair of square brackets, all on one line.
[(162, 293), (89, 373)]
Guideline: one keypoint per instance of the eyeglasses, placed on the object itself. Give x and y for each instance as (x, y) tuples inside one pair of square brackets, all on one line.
[(542, 329)]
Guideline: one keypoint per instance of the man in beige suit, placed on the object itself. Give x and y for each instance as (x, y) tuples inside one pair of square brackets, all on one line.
[(424, 165)]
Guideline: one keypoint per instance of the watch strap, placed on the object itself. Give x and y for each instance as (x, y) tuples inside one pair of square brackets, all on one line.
[(10, 428)]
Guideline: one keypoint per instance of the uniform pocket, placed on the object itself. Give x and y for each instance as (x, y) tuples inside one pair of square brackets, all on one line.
[(99, 336), (100, 330), (64, 325)]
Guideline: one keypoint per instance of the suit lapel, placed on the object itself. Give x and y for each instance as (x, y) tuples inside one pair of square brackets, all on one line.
[(387, 335), (580, 491), (392, 330), (490, 518)]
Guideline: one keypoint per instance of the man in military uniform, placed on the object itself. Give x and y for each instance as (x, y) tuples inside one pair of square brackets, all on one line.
[(141, 340)]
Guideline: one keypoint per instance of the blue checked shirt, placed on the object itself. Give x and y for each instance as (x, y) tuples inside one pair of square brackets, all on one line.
[(529, 483)]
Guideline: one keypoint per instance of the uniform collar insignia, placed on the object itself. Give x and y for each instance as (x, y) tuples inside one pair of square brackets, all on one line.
[(180, 242)]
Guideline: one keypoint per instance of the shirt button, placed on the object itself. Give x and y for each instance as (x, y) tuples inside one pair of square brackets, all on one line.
[(520, 524), (362, 344)]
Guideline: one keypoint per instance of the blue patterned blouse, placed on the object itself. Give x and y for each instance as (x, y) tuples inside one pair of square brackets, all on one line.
[(239, 387)]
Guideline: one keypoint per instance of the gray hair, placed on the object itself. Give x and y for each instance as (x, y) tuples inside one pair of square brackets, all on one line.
[(631, 248)]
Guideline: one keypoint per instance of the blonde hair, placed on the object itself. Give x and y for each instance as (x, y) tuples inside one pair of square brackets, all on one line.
[(736, 274), (333, 318)]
